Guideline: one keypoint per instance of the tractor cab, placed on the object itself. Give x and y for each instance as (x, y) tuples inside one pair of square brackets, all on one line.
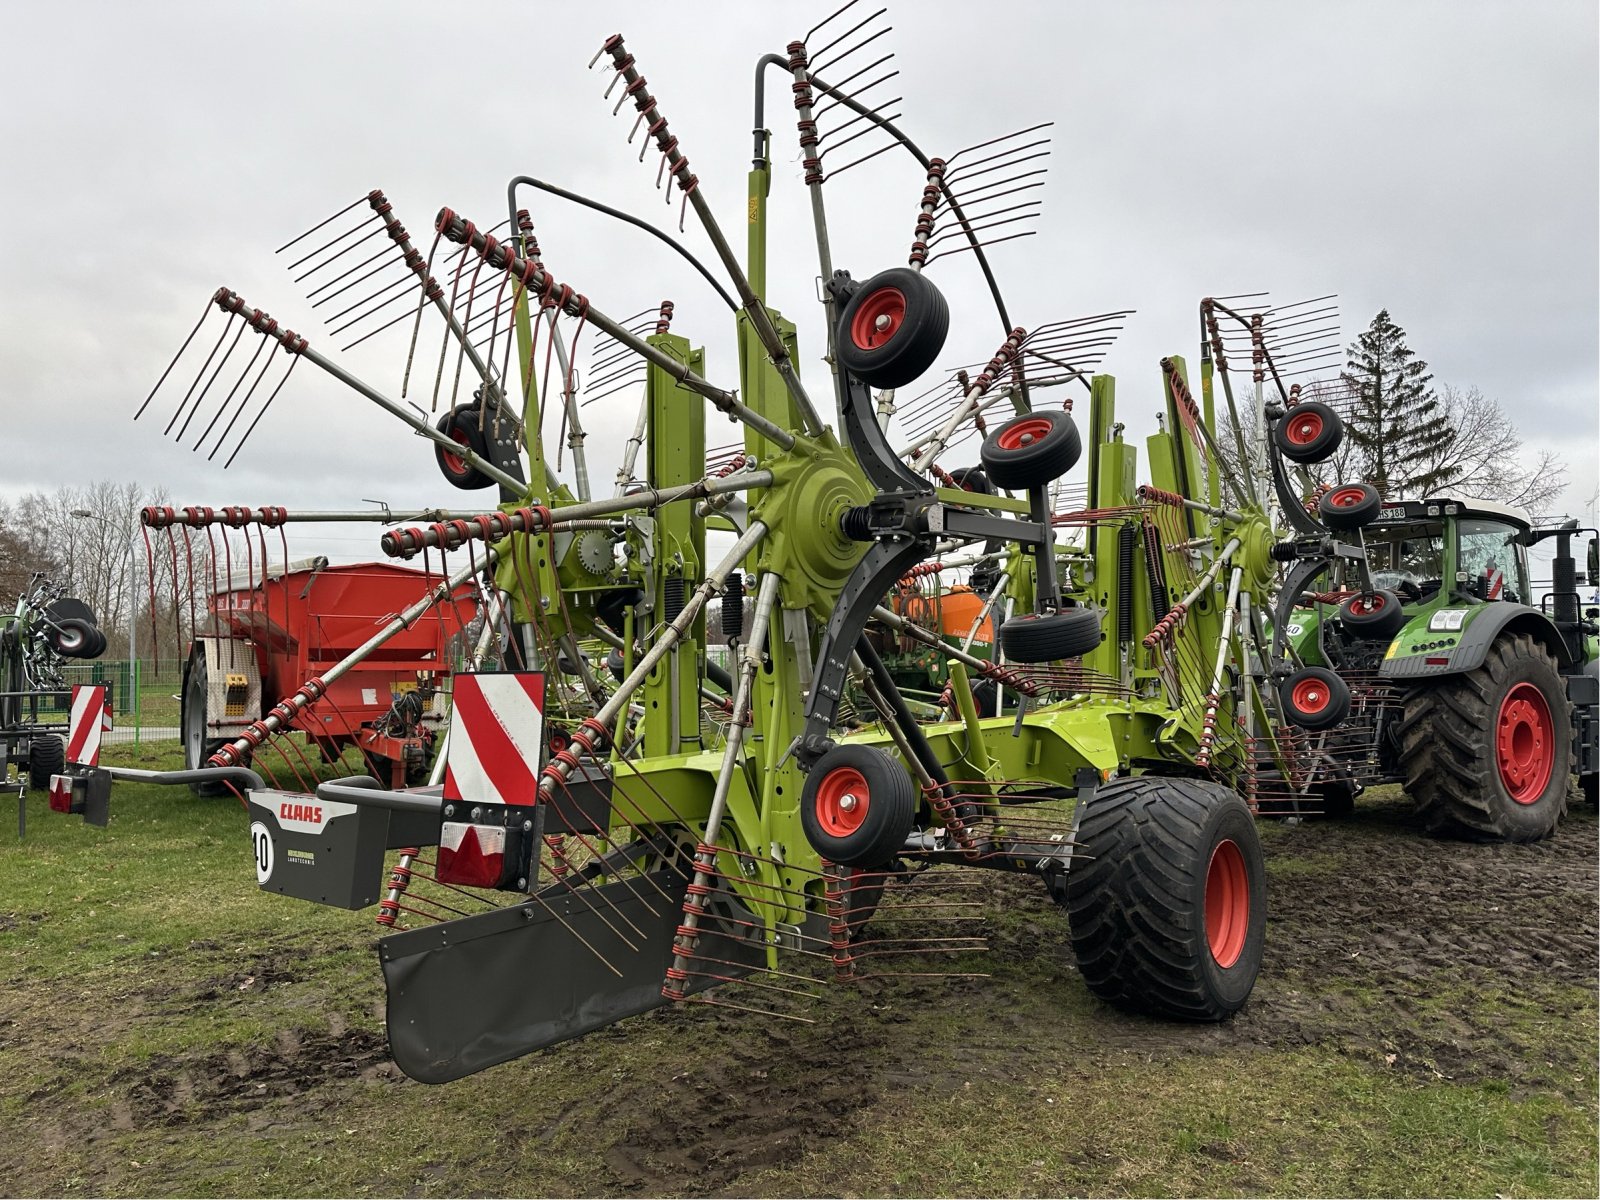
[(1454, 551)]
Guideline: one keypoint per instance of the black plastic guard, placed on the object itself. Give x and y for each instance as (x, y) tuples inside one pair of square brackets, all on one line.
[(466, 995)]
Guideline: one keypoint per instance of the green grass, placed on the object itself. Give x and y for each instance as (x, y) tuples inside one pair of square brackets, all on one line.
[(166, 1028)]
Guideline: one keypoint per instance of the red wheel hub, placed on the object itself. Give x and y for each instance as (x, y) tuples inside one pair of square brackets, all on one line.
[(1365, 606), (1227, 903), (842, 801), (1310, 696), (1345, 497), (454, 463), (878, 318), (1304, 428), (1525, 743), (1024, 433)]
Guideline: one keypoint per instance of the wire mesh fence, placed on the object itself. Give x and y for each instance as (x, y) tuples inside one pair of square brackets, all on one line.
[(145, 698)]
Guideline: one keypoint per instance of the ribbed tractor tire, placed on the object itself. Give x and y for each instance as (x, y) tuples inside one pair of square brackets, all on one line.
[(892, 328), (1314, 698), (1373, 616), (1167, 897), (1308, 433), (857, 806), (460, 424), (1031, 450), (47, 756), (1350, 506), (1051, 637), (1477, 746)]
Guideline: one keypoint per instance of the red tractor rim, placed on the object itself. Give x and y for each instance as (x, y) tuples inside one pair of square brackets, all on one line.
[(1365, 606), (842, 802), (1227, 903), (1023, 433), (1346, 497), (1525, 743), (878, 318), (454, 463), (1304, 428), (1310, 696)]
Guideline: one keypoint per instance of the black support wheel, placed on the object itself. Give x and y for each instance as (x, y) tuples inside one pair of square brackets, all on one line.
[(1373, 616), (1167, 897), (1308, 433), (892, 328), (1487, 753), (460, 425), (857, 806), (1051, 637), (72, 637), (47, 756), (1350, 506), (1031, 450), (1314, 698)]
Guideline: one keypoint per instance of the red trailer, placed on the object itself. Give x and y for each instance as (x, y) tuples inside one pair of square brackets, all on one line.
[(267, 637)]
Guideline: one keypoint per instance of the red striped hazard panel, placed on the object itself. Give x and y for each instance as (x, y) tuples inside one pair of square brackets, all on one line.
[(496, 738), (88, 721)]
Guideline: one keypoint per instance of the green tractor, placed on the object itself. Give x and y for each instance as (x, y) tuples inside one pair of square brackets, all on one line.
[(1435, 661)]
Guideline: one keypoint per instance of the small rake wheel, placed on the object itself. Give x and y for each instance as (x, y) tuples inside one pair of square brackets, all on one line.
[(1051, 637), (1314, 698), (1031, 450), (1350, 506), (858, 806), (461, 425), (893, 328), (1168, 903), (1309, 433), (1375, 616)]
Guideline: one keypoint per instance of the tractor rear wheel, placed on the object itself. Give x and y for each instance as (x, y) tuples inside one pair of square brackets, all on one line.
[(47, 756), (1168, 899), (1487, 752)]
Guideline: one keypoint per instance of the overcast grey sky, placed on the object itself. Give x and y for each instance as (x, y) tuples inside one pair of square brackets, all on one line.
[(1437, 159)]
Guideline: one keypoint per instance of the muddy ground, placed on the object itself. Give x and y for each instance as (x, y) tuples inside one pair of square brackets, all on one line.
[(1400, 973)]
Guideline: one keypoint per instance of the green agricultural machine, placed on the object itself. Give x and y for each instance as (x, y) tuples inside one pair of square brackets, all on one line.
[(595, 844), (1428, 659)]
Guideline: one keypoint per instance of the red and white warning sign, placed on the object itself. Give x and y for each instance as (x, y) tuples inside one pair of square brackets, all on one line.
[(496, 737), (89, 719)]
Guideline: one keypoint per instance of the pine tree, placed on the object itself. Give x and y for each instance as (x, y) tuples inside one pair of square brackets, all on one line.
[(1397, 425)]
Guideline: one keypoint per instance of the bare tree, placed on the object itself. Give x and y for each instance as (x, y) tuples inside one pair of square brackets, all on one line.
[(1485, 459)]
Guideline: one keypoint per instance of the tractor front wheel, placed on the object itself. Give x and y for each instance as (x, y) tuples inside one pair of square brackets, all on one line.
[(1487, 752), (1167, 897)]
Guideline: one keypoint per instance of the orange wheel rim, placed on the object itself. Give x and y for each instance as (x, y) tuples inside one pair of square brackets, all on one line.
[(878, 319), (1227, 903), (1304, 428), (842, 801), (1346, 497), (454, 463), (1024, 433), (1310, 696), (1525, 743)]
